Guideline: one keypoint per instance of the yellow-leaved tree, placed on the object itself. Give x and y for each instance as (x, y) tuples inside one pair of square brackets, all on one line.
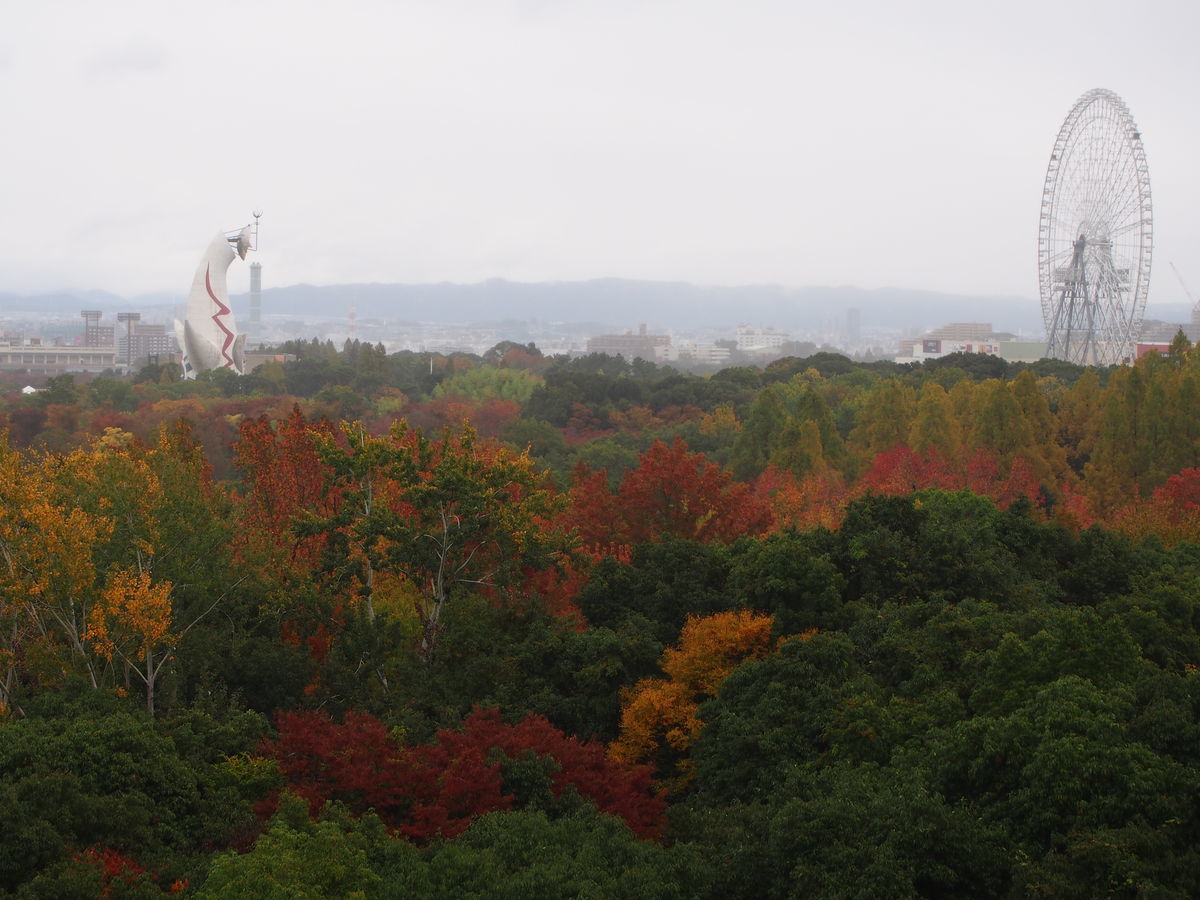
[(158, 500), (84, 535), (47, 572), (131, 622)]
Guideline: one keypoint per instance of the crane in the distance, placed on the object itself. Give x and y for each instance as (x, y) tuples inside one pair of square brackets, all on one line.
[(1188, 293)]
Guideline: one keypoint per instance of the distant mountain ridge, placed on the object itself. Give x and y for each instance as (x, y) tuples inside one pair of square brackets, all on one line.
[(616, 303)]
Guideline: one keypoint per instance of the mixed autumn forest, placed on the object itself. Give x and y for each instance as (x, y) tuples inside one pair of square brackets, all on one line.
[(369, 625)]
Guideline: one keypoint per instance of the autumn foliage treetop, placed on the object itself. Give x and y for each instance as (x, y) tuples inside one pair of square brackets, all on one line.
[(672, 492), (446, 515), (660, 717)]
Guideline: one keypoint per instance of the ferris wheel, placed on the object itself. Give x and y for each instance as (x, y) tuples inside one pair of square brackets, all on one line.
[(1095, 236)]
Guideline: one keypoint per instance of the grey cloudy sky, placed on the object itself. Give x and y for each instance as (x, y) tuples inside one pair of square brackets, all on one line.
[(735, 141)]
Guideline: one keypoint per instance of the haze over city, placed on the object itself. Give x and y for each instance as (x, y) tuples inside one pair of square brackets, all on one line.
[(873, 144)]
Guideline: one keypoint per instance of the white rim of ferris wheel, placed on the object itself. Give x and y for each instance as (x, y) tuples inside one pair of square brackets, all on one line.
[(1098, 184)]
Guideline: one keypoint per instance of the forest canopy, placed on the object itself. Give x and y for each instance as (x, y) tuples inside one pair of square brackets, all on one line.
[(369, 624)]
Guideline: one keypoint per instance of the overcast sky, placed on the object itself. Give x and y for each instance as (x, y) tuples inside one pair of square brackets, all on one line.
[(875, 144)]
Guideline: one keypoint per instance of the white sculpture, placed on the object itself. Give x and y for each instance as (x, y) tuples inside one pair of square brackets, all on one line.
[(207, 335)]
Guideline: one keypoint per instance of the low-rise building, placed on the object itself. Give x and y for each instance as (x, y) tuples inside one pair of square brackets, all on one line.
[(760, 340), (969, 337), (699, 354), (650, 347), (35, 358)]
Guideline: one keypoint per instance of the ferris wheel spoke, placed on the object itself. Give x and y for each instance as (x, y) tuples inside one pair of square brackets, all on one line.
[(1130, 227), (1125, 199)]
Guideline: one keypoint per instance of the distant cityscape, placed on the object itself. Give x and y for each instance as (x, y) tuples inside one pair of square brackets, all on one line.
[(40, 345)]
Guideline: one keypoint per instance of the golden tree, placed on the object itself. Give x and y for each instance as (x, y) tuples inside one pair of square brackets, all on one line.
[(660, 716), (47, 573), (131, 621)]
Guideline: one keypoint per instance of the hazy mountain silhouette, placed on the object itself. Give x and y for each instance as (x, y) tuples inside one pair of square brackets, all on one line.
[(611, 302)]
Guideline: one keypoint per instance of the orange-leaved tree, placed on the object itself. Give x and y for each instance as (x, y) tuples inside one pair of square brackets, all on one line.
[(660, 716), (131, 622), (816, 501)]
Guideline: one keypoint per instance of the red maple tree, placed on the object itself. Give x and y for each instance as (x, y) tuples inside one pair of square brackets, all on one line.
[(671, 493), (284, 477)]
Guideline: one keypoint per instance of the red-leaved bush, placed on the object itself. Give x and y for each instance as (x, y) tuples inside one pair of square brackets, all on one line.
[(434, 790)]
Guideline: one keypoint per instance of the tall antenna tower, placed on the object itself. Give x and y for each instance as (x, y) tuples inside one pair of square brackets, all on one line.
[(255, 295), (256, 284)]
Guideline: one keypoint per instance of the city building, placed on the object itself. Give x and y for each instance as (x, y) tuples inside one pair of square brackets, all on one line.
[(699, 354), (256, 359), (101, 348), (145, 342), (31, 356), (95, 334), (650, 347), (969, 337), (760, 341), (1155, 331)]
